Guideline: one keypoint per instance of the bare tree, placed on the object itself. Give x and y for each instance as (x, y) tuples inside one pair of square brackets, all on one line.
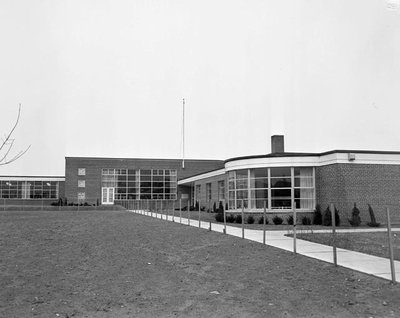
[(7, 143)]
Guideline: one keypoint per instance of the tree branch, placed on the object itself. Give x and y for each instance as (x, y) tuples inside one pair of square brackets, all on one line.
[(7, 144)]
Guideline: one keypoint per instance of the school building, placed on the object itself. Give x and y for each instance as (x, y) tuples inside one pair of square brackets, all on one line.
[(277, 180)]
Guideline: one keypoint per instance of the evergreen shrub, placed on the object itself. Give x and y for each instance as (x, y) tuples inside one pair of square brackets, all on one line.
[(277, 220)]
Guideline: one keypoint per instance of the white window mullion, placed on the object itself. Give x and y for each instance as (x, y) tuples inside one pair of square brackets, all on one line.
[(269, 189), (292, 198), (314, 189), (248, 190)]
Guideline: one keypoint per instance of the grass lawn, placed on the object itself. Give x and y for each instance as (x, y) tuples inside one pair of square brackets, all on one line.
[(374, 243), (121, 264)]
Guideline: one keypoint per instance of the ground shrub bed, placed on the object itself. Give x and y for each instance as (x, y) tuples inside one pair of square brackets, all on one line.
[(121, 264)]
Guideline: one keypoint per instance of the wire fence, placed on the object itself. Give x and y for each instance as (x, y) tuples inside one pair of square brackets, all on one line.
[(182, 212)]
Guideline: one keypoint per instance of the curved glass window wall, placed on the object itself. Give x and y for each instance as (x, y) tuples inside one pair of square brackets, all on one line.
[(274, 187)]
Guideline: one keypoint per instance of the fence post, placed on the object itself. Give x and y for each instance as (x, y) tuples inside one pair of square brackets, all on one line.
[(389, 226), (242, 220), (332, 208), (199, 214), (173, 211), (224, 218), (264, 221), (180, 211), (161, 207), (188, 209), (294, 226)]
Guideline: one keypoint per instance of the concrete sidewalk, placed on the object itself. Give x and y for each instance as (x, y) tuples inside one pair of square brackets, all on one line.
[(361, 262)]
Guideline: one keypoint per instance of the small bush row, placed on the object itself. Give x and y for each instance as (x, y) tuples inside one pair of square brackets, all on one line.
[(231, 218), (326, 217), (319, 218)]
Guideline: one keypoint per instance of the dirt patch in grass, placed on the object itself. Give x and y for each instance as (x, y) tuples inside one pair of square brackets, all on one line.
[(373, 243), (121, 264)]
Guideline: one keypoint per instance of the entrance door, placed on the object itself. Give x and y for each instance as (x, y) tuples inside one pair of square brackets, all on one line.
[(107, 196)]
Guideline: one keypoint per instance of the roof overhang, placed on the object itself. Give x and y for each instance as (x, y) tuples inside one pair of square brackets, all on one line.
[(202, 176)]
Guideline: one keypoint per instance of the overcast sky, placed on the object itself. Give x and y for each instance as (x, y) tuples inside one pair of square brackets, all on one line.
[(106, 78)]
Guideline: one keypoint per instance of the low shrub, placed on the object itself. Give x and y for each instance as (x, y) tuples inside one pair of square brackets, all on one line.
[(250, 219), (238, 219), (289, 220), (317, 215), (219, 217), (230, 218), (355, 217), (306, 220), (277, 220), (373, 222), (327, 220), (261, 220), (221, 207)]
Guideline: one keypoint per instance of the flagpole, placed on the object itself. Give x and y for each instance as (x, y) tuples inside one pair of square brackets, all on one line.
[(183, 135)]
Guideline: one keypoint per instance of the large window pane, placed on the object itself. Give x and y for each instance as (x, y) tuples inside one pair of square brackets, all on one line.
[(259, 183), (242, 174), (259, 173), (281, 172), (281, 182)]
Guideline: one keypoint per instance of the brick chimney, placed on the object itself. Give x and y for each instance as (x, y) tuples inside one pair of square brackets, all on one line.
[(277, 144)]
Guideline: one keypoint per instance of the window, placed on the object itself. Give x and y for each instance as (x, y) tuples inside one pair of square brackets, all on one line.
[(25, 189), (304, 188), (81, 172), (281, 188), (81, 196), (141, 184), (198, 191), (274, 188), (221, 190), (208, 191), (259, 188), (81, 183)]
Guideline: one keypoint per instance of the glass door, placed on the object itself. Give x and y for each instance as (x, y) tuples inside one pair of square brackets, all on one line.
[(107, 195)]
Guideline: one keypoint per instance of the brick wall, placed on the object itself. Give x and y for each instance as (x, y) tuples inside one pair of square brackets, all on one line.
[(94, 166), (344, 184), (214, 191)]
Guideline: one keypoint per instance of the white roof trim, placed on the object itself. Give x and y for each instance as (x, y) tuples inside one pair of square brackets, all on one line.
[(202, 176), (314, 161), (32, 179)]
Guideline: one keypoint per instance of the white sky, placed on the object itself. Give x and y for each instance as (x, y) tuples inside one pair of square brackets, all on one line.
[(107, 77)]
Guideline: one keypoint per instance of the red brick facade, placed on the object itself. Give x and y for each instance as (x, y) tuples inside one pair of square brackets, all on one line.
[(204, 201), (94, 166), (363, 184)]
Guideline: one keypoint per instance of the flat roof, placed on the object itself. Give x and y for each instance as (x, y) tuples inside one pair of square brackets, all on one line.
[(310, 154), (162, 159), (33, 178)]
